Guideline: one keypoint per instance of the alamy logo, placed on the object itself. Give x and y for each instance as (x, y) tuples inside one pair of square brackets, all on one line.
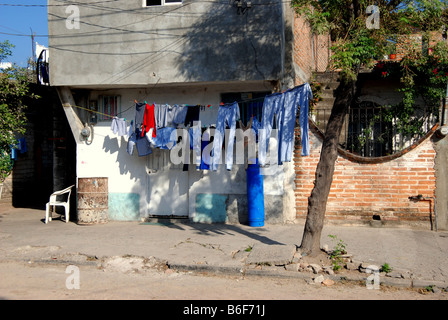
[(373, 21), (73, 20), (243, 142), (73, 280)]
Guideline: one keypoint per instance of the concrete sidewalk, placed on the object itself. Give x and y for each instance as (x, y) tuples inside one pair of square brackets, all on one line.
[(419, 258)]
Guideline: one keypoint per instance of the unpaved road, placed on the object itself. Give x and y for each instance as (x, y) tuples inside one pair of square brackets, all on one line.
[(30, 281)]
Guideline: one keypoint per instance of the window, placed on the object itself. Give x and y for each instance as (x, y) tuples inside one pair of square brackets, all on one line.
[(250, 103), (151, 3), (369, 133), (110, 106)]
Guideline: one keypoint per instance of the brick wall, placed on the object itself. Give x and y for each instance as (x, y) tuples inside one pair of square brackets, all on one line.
[(311, 51), (381, 187)]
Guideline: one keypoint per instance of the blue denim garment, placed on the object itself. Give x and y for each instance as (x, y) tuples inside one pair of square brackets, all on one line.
[(284, 107), (227, 114), (272, 107), (142, 144), (166, 138), (304, 98), (167, 116), (205, 158), (131, 143), (288, 122)]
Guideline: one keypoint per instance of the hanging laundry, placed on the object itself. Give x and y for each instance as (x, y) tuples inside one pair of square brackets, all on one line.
[(142, 144), (256, 125), (119, 126), (131, 143), (295, 98), (180, 114), (272, 109), (287, 125), (228, 114), (131, 129), (166, 138), (149, 121), (304, 100), (206, 148), (168, 116), (283, 107), (139, 114)]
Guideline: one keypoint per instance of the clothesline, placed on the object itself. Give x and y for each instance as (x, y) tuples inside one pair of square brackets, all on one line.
[(192, 105), (279, 107)]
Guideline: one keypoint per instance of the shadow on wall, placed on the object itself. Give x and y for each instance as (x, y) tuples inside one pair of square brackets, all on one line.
[(227, 46), (49, 162), (125, 206)]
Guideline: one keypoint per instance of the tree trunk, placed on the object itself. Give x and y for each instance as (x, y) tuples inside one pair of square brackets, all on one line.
[(317, 202)]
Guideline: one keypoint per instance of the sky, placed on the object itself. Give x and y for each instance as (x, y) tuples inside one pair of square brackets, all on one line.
[(18, 20)]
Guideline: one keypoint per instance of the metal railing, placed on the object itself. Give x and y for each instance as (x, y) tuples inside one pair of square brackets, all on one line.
[(251, 108), (370, 131)]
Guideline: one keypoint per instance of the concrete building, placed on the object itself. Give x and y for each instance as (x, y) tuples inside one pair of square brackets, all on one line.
[(176, 52)]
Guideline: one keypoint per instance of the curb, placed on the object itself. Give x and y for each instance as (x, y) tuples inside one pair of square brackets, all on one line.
[(241, 271)]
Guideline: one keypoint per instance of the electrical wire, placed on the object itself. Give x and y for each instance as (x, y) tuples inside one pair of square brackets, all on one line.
[(117, 10), (54, 5)]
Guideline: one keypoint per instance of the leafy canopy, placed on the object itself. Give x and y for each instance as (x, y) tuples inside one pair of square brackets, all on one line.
[(354, 44), (14, 89)]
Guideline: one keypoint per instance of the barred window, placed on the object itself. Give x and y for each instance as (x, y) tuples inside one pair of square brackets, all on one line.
[(369, 134), (110, 106)]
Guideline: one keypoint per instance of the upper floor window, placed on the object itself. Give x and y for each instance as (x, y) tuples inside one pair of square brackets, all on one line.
[(151, 3), (110, 106)]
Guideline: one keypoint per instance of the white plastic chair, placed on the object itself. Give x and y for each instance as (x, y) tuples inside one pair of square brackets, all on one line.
[(50, 207)]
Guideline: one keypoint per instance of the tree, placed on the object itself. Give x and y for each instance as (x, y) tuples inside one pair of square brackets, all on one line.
[(14, 89), (356, 45)]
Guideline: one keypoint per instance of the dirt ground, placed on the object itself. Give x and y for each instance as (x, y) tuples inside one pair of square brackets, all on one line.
[(31, 281)]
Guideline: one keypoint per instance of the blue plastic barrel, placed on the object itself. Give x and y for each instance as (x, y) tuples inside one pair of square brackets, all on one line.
[(255, 198)]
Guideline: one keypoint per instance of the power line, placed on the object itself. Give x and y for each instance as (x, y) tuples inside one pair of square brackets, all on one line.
[(54, 5), (117, 10)]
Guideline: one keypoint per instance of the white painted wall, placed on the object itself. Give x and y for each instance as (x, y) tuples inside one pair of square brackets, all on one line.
[(169, 191)]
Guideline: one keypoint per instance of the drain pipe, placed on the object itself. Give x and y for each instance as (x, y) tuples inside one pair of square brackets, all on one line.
[(443, 130), (421, 198)]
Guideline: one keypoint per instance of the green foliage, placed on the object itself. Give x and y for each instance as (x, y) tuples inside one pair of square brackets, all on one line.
[(6, 164), (316, 88), (337, 253), (359, 50), (424, 78), (5, 50), (14, 90), (354, 43), (386, 268)]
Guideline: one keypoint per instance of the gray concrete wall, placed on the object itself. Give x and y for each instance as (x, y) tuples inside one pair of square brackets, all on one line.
[(122, 43), (441, 166)]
